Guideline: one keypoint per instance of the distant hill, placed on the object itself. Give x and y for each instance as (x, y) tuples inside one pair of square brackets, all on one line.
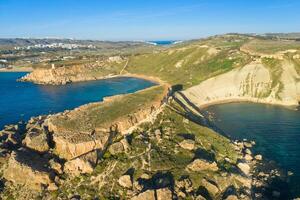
[(32, 41)]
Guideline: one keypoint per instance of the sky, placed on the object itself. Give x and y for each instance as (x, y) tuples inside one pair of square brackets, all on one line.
[(145, 19)]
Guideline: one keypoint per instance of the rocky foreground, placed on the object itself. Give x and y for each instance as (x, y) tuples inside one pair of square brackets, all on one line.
[(154, 152)]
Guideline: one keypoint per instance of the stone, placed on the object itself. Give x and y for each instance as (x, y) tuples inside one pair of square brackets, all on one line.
[(244, 167), (232, 197), (184, 183), (248, 151), (72, 145), (28, 168), (37, 140), (159, 194), (164, 194), (126, 144), (200, 197), (145, 176), (125, 181), (116, 148), (84, 164), (258, 157), (56, 166), (211, 187), (137, 186), (248, 157), (248, 144), (52, 187), (147, 195), (158, 134), (200, 165), (187, 144)]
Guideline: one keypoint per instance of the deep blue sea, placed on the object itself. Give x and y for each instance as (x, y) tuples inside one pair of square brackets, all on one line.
[(275, 129), (21, 100)]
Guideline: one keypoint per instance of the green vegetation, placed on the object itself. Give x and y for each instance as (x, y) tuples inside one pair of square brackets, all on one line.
[(190, 63), (155, 157), (272, 46)]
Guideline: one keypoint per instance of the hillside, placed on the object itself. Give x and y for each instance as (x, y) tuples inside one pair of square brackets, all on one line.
[(155, 143)]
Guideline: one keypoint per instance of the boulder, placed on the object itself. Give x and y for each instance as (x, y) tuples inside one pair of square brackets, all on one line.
[(248, 157), (258, 157), (147, 195), (244, 167), (164, 194), (84, 164), (28, 168), (159, 194), (37, 140), (125, 181), (56, 166), (248, 151), (210, 186), (187, 144), (232, 197), (116, 148), (185, 184), (200, 165), (70, 145)]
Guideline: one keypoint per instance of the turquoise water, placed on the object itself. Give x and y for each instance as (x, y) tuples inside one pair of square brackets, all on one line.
[(163, 42), (275, 129), (20, 101)]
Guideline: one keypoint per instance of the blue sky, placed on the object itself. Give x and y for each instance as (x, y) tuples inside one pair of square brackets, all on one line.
[(145, 20)]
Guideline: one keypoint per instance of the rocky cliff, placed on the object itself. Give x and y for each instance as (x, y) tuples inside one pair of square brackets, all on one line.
[(254, 82), (84, 72)]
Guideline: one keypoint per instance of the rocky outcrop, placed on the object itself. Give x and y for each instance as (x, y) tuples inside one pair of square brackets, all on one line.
[(37, 139), (253, 82), (200, 165), (160, 194), (66, 74), (84, 164), (28, 168)]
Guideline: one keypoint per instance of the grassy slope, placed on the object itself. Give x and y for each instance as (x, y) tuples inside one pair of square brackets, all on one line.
[(191, 63), (272, 46), (165, 157)]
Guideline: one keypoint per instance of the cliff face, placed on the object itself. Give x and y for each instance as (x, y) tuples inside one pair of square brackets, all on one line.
[(254, 82), (75, 73), (61, 76)]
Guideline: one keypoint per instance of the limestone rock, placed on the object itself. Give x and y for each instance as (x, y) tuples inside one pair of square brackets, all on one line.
[(232, 197), (52, 187), (211, 187), (164, 194), (81, 165), (200, 165), (56, 166), (244, 167), (37, 140), (116, 148), (125, 181), (159, 194), (29, 169), (70, 145), (147, 195), (248, 157), (187, 144), (258, 157)]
